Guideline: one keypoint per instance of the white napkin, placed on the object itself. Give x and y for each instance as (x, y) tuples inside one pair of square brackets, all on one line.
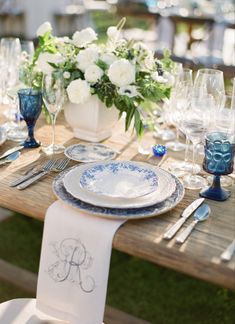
[(74, 264)]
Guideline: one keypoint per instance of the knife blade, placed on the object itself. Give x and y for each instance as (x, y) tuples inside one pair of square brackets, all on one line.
[(12, 150), (184, 216)]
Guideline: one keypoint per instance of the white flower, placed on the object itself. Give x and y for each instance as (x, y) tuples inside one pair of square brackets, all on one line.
[(129, 91), (86, 57), (158, 78), (121, 73), (66, 74), (108, 58), (93, 73), (113, 33), (78, 91), (149, 63), (44, 28), (141, 47), (45, 58), (84, 37)]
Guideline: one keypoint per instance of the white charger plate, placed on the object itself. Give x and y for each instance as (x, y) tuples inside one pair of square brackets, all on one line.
[(166, 186), (88, 153), (119, 179)]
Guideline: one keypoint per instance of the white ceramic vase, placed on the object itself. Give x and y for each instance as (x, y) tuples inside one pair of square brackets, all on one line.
[(91, 121)]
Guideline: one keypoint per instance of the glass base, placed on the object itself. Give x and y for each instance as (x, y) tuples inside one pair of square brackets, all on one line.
[(175, 146), (17, 135), (185, 166), (31, 143), (224, 180), (194, 182), (53, 149), (217, 194)]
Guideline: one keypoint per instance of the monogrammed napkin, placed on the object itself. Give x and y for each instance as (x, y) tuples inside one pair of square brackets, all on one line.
[(74, 265)]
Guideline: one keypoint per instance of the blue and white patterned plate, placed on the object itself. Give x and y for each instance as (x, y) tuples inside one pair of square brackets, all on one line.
[(117, 213), (119, 179), (89, 152)]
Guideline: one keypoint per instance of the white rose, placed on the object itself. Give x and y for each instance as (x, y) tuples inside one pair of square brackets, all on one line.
[(121, 73), (93, 73), (43, 29), (86, 57), (45, 58), (78, 91), (66, 74), (113, 33), (84, 37), (108, 58)]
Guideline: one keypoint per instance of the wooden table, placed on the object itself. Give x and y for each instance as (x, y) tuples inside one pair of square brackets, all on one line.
[(198, 257)]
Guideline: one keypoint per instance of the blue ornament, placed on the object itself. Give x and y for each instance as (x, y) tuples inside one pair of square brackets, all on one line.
[(159, 150)]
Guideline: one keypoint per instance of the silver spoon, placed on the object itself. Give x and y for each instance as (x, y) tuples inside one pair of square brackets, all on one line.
[(201, 214), (10, 158)]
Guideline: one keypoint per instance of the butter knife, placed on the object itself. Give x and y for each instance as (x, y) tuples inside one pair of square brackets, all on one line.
[(10, 151), (184, 216)]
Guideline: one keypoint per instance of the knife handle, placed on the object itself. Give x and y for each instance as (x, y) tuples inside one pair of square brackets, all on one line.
[(26, 177), (173, 229), (184, 235), (27, 183), (228, 253)]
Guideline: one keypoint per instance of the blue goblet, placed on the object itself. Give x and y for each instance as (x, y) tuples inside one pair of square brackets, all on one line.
[(30, 108), (219, 158)]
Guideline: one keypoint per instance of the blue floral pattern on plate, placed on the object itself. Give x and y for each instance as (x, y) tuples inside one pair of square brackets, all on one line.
[(125, 179), (114, 213), (89, 152)]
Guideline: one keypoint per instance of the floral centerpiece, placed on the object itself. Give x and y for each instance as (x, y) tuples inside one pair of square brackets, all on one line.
[(120, 73)]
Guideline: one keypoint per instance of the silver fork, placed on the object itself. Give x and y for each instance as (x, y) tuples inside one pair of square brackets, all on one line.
[(58, 167), (45, 167)]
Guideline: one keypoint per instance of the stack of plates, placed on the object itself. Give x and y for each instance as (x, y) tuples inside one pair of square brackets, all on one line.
[(119, 189)]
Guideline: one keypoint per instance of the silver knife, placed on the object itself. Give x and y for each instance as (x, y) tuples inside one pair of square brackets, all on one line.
[(184, 216), (12, 150)]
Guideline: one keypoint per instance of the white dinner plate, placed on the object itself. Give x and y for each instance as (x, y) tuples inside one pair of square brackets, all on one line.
[(119, 179), (88, 153), (166, 186)]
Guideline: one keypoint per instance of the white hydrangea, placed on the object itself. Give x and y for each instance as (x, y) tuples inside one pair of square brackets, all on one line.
[(84, 37), (87, 57), (78, 91), (108, 58), (93, 73), (121, 73), (43, 29), (166, 78), (45, 58)]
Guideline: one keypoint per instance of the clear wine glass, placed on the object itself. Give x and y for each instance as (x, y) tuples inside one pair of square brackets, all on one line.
[(179, 101), (195, 125), (53, 97), (211, 82)]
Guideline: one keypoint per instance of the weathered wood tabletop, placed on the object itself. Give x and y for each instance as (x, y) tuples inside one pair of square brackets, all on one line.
[(199, 256)]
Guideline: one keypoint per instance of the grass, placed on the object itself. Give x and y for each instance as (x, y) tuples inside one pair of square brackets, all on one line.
[(135, 286)]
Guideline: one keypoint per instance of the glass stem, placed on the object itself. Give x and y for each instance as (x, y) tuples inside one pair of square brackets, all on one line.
[(186, 150), (53, 121), (216, 182), (194, 165)]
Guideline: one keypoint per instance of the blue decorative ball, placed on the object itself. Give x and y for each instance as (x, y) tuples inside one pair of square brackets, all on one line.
[(159, 150)]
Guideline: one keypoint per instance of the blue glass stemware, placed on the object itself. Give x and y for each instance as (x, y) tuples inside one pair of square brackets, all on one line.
[(219, 159), (30, 108)]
